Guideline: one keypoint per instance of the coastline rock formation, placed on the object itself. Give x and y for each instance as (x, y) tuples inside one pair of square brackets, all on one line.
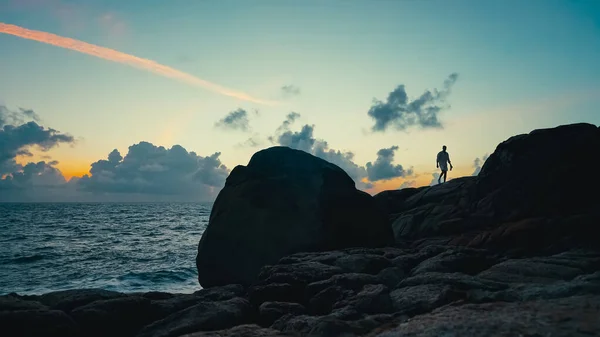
[(284, 201), (511, 252)]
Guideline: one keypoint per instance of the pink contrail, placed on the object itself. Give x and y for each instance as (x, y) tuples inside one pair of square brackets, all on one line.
[(117, 56)]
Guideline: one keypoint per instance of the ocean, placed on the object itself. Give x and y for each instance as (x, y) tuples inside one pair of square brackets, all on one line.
[(126, 247)]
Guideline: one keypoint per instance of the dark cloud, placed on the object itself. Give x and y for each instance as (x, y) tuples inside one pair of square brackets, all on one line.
[(235, 120), (383, 169), (17, 136), (478, 163), (306, 141), (34, 175), (401, 113), (154, 170), (290, 90)]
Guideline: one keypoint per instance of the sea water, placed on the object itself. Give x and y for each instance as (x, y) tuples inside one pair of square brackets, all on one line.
[(126, 247)]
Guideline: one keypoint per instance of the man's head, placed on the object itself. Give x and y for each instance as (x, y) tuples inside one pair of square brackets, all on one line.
[(444, 148)]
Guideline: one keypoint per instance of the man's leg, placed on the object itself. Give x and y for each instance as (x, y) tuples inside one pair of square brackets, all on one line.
[(445, 174), (440, 177)]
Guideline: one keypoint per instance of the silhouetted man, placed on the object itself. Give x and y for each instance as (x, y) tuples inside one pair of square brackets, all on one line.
[(442, 161)]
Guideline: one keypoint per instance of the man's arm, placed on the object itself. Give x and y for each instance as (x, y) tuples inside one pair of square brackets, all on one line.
[(437, 161), (449, 162)]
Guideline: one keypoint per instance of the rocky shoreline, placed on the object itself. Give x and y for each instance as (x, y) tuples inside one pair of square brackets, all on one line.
[(511, 252)]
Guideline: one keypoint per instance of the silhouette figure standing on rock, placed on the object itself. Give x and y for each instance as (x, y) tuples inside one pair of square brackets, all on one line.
[(442, 161)]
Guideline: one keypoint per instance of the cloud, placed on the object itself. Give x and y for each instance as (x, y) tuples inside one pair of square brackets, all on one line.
[(408, 184), (17, 136), (478, 163), (123, 58), (383, 169), (148, 169), (290, 90), (401, 113), (306, 141), (434, 181), (34, 175), (235, 120)]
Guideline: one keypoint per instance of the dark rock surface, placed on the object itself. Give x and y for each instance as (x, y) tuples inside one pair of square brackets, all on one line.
[(284, 201), (468, 262)]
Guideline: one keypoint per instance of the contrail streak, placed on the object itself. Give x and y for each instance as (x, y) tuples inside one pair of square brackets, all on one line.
[(117, 56)]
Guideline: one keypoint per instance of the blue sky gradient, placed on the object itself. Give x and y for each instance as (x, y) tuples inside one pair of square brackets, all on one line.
[(521, 65)]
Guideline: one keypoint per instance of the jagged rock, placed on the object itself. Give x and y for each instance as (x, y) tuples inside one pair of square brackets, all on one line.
[(284, 201), (363, 263), (573, 316), (47, 323), (517, 202), (422, 298), (391, 276), (298, 273), (13, 302), (271, 311), (285, 292), (204, 316), (118, 317), (246, 330), (372, 299), (68, 300)]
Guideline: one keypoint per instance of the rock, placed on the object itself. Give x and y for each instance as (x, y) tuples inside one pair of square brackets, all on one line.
[(573, 316), (298, 273), (422, 298), (348, 281), (118, 317), (11, 302), (518, 202), (468, 261), (284, 201), (393, 201), (204, 316), (47, 323), (372, 299), (390, 276), (529, 271), (246, 330), (276, 292), (363, 263), (269, 312), (68, 300)]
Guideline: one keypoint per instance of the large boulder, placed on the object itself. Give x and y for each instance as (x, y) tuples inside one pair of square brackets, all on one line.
[(284, 201), (534, 186)]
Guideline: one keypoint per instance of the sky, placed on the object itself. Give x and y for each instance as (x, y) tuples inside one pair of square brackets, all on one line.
[(151, 100)]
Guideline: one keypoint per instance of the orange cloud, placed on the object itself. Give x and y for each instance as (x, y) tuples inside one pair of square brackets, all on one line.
[(117, 56)]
